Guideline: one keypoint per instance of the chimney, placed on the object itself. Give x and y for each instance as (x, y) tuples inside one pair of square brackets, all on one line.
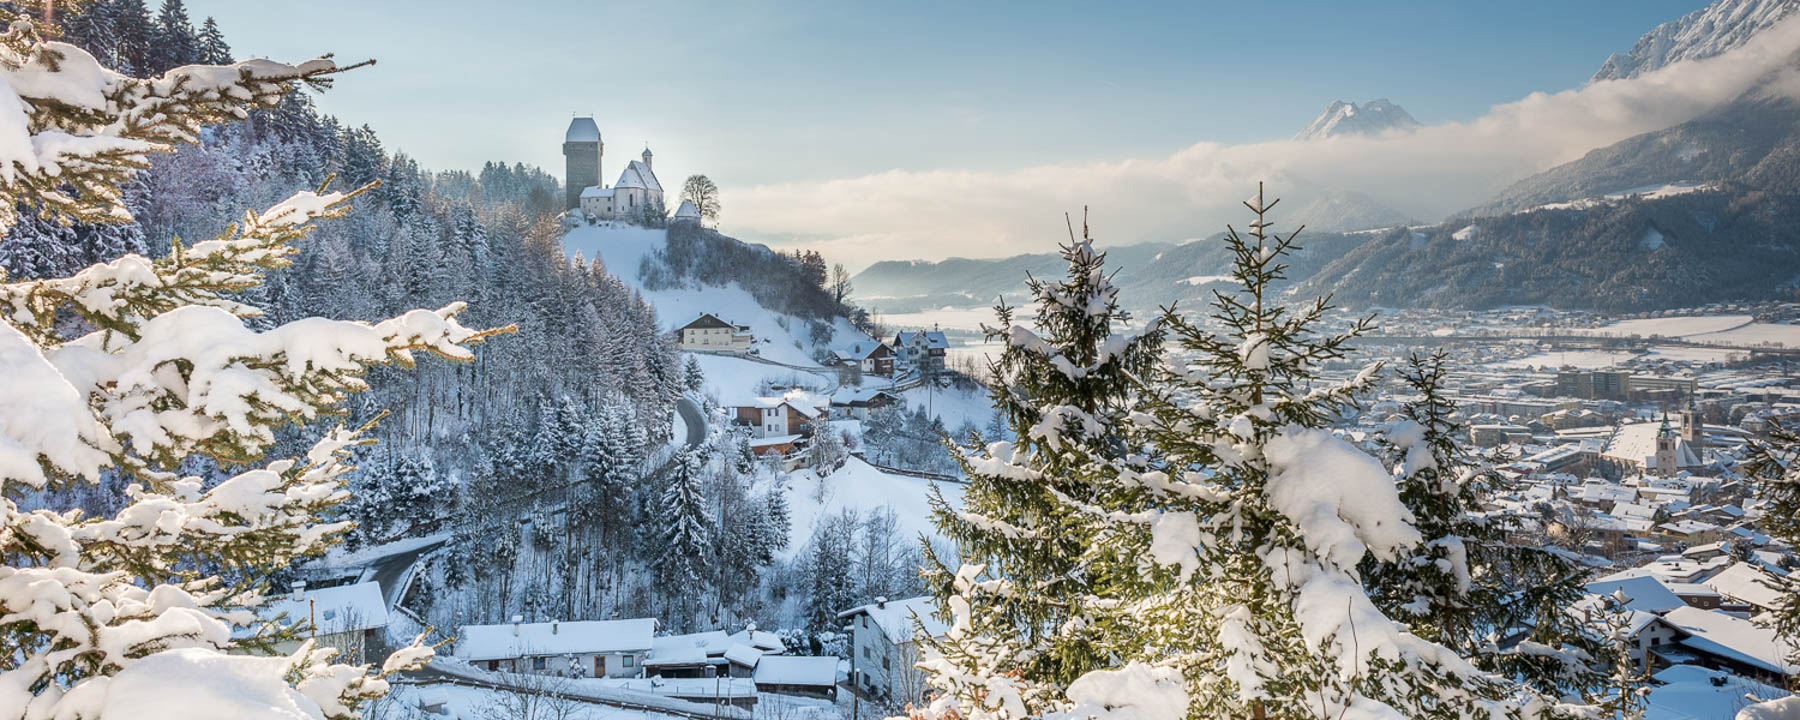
[(553, 626), (516, 619), (299, 589), (881, 602)]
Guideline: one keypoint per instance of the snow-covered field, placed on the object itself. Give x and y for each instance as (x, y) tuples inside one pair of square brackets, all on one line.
[(1755, 334), (1668, 326), (858, 486), (733, 380), (955, 407), (623, 248), (1586, 359)]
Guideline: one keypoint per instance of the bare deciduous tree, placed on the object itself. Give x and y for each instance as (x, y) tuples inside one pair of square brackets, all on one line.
[(704, 194)]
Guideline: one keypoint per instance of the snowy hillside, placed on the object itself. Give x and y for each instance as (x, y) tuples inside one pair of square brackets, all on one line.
[(780, 338), (1345, 118), (1706, 32)]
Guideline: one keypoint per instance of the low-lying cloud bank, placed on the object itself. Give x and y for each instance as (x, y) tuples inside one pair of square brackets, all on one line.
[(1425, 174)]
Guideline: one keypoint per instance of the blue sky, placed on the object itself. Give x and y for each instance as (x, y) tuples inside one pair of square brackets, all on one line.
[(759, 93)]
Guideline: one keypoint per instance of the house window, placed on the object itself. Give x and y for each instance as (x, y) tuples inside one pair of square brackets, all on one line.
[(866, 653), (884, 663), (865, 621), (537, 663), (630, 661), (1655, 641)]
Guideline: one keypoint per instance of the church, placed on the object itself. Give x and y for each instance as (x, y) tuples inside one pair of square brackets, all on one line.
[(636, 190)]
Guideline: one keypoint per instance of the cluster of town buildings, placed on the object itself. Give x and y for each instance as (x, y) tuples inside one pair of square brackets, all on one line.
[(1635, 471)]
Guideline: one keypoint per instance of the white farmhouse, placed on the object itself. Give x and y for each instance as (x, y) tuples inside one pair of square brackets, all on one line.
[(708, 332), (590, 648), (884, 649)]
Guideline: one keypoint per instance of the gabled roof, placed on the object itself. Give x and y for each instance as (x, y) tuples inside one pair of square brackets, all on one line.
[(707, 321), (596, 192), (506, 641), (1646, 594), (1733, 638), (1747, 583), (332, 610), (895, 617), (687, 211), (638, 175)]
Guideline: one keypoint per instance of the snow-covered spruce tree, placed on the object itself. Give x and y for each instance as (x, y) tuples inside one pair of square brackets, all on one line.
[(684, 535), (1218, 559), (1021, 593), (1269, 618), (1775, 464), (1465, 586), (80, 131), (130, 615), (132, 367)]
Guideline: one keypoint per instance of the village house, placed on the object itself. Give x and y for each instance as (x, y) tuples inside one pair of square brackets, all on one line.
[(856, 403), (884, 649), (778, 417), (709, 333), (869, 358), (350, 618), (713, 653), (921, 351), (589, 648)]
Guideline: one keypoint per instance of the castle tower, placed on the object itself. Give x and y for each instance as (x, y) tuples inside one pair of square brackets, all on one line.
[(647, 157), (582, 150)]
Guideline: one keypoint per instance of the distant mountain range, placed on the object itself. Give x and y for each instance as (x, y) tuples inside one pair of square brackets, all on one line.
[(1706, 32), (1371, 118), (1704, 211)]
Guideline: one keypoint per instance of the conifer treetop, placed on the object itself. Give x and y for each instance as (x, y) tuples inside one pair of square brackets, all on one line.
[(72, 131)]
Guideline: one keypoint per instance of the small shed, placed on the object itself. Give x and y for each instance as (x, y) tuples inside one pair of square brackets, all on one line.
[(790, 675)]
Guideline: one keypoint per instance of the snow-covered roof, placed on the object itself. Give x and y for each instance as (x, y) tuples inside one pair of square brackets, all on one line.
[(895, 617), (1637, 443), (595, 191), (774, 440), (743, 655), (1646, 594), (1747, 583), (1731, 637), (796, 670), (582, 129), (638, 175), (759, 639), (1691, 691), (332, 610), (687, 211), (503, 641)]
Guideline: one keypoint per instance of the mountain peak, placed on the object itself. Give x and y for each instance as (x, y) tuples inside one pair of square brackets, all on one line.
[(1703, 33), (1345, 118)]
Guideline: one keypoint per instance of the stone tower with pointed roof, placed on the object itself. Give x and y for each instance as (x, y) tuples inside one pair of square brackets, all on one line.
[(1666, 459), (582, 150)]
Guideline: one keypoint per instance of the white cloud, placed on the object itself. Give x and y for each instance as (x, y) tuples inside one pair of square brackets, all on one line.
[(1427, 174)]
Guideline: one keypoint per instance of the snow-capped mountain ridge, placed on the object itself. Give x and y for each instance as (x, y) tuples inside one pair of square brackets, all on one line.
[(1703, 33), (1346, 118)]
